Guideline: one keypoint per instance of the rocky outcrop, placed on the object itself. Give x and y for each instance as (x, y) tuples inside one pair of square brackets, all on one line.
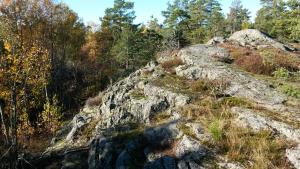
[(249, 118), (255, 38), (121, 107), (201, 64), (138, 124), (252, 38)]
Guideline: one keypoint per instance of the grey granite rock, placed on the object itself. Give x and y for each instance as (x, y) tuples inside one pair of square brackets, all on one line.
[(255, 38)]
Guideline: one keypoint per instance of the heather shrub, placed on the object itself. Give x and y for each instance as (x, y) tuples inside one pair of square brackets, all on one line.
[(95, 101), (277, 58), (170, 65), (265, 61), (281, 73), (291, 91)]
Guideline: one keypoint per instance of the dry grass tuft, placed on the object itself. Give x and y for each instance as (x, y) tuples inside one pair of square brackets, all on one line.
[(171, 64), (261, 149), (252, 150), (95, 101), (160, 118)]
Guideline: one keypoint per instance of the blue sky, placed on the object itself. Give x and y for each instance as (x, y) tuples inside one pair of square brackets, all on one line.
[(91, 10)]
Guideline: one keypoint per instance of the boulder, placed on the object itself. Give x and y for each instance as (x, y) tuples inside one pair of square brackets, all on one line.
[(190, 149), (164, 162), (162, 135), (255, 38), (101, 154)]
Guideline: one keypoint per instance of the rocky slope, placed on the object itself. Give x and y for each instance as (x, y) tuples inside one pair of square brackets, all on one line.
[(184, 118)]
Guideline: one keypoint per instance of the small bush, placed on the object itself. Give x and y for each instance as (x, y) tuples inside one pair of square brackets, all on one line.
[(95, 101), (51, 115), (254, 63), (281, 73), (291, 91)]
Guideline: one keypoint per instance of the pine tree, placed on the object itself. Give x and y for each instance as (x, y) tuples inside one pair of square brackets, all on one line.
[(117, 17), (177, 23), (154, 25), (237, 17), (279, 19)]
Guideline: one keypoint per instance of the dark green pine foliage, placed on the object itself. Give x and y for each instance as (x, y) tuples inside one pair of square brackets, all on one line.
[(118, 17), (207, 20), (280, 19), (177, 23), (238, 17), (192, 21), (132, 46)]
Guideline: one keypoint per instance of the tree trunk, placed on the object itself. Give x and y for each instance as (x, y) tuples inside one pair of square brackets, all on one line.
[(14, 149), (3, 125)]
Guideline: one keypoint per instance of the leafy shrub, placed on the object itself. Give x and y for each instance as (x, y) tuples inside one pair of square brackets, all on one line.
[(268, 58), (295, 76), (281, 73), (291, 91), (51, 116)]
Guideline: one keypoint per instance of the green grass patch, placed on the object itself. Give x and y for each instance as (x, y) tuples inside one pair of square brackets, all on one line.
[(216, 130), (138, 94), (236, 101), (291, 91)]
